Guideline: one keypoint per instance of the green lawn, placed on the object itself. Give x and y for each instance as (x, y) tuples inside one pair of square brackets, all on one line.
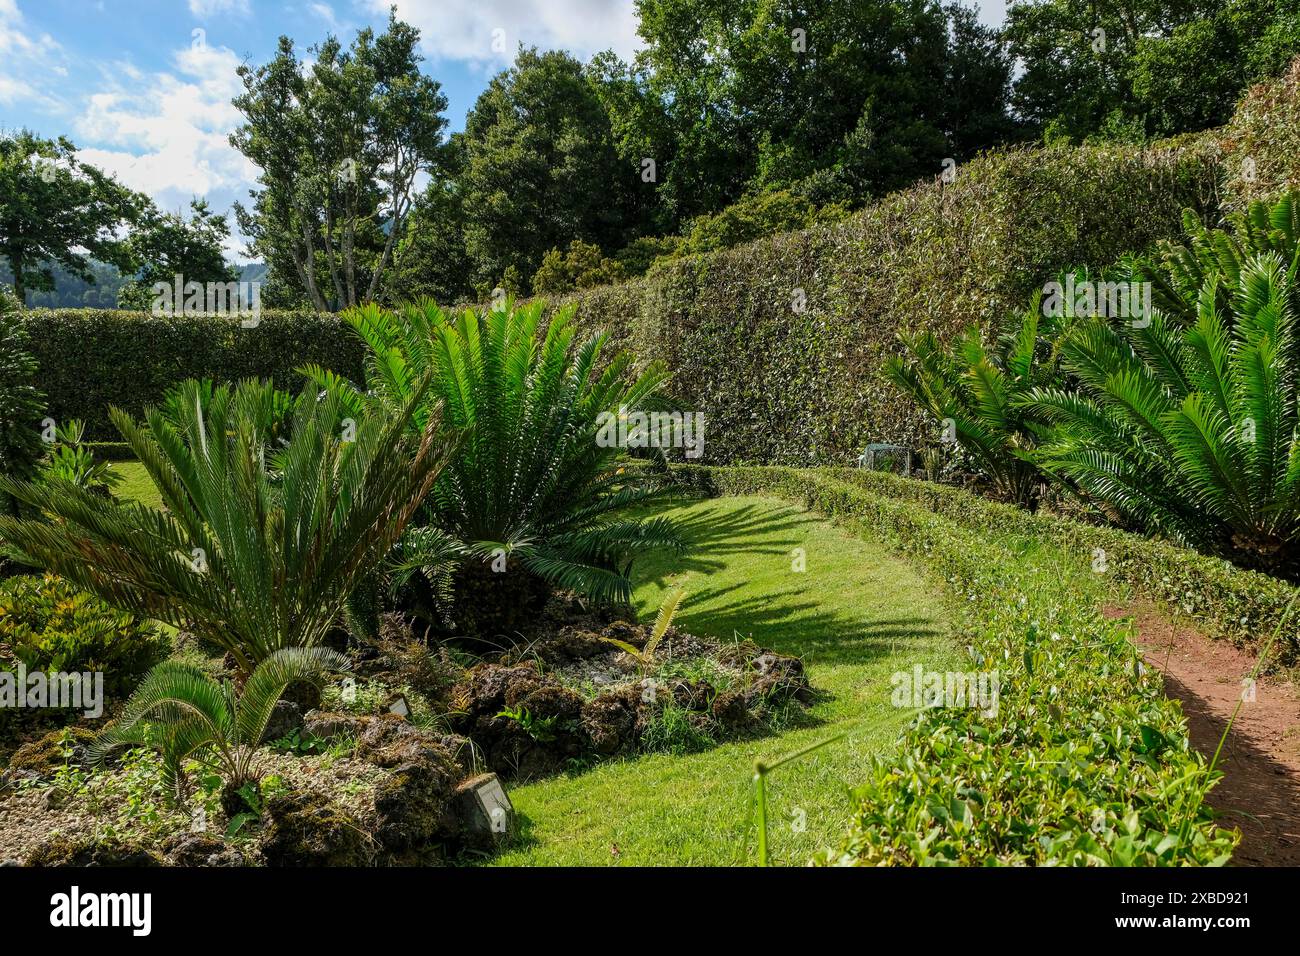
[(856, 615), (136, 484)]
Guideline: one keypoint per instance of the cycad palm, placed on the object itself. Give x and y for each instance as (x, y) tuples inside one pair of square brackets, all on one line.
[(973, 391), (187, 715), (1189, 424), (530, 482), (261, 541)]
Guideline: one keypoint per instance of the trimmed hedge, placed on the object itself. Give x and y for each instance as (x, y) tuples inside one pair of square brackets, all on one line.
[(779, 386), (1262, 143), (1084, 762), (92, 359)]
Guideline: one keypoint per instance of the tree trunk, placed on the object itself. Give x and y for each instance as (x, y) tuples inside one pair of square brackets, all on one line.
[(20, 289), (329, 252)]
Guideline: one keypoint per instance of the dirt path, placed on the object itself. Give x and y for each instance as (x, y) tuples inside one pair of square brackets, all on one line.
[(1260, 791)]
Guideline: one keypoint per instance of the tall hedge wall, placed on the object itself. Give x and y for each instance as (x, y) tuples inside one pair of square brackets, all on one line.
[(92, 359), (779, 386), (1262, 143)]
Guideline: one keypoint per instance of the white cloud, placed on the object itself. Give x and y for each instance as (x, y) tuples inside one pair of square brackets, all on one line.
[(29, 63), (210, 8), (325, 12), (466, 29), (165, 134)]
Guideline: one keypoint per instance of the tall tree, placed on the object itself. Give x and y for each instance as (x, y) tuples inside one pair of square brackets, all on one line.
[(839, 99), (164, 245), (340, 146), (1140, 68), (540, 166), (58, 211)]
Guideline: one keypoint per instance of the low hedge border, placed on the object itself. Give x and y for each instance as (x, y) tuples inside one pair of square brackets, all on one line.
[(1085, 760)]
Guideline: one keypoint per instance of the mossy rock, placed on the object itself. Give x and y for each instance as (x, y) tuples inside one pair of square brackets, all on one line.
[(50, 753), (305, 829), (62, 851)]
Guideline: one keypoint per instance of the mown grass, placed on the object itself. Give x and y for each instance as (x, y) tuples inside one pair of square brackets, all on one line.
[(856, 615), (136, 484)]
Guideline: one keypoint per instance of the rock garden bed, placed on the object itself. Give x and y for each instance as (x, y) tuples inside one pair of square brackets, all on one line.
[(395, 763)]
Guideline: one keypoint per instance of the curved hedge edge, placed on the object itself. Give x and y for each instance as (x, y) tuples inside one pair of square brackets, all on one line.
[(1240, 605), (1085, 760)]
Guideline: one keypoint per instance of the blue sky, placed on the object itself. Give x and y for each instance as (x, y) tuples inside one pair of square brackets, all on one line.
[(143, 87)]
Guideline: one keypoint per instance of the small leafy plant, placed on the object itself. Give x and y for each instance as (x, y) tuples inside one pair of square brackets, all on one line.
[(186, 715), (71, 461), (47, 624)]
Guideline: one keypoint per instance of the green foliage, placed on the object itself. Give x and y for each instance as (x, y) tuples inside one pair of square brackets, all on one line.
[(71, 460), (581, 267), (1143, 69), (730, 99), (47, 624), (670, 729), (55, 209), (1187, 424), (641, 253), (776, 385), (22, 405), (1085, 761), (645, 656), (430, 262), (262, 541), (540, 168), (164, 245), (530, 483), (339, 143), (186, 715), (779, 385), (973, 392), (1262, 143), (747, 219)]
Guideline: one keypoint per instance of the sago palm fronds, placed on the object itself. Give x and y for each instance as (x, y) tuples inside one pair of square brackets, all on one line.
[(645, 656), (973, 392), (1190, 428), (186, 715), (530, 483), (262, 539)]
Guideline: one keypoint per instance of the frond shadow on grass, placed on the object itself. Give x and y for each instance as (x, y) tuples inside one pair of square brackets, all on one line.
[(787, 619)]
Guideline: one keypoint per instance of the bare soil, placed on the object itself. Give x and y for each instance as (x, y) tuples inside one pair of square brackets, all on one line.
[(1260, 791)]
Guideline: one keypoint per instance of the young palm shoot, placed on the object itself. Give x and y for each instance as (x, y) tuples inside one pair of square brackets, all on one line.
[(645, 656), (186, 715)]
